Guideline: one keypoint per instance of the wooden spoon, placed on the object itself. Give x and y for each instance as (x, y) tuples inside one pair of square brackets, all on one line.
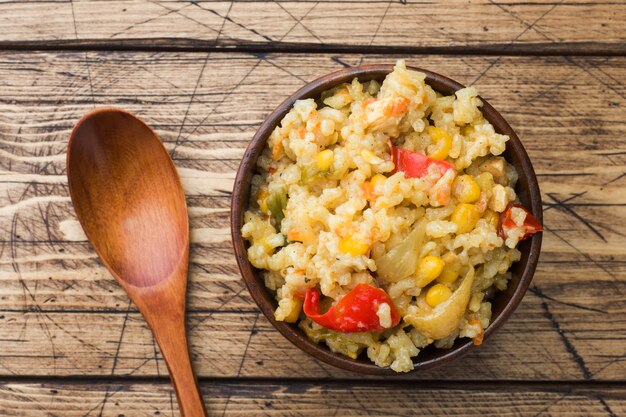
[(129, 200)]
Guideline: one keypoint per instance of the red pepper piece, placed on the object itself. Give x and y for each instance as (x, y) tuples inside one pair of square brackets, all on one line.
[(415, 164), (355, 312), (506, 223)]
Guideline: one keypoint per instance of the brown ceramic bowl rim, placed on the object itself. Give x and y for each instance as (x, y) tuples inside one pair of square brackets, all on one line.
[(264, 297)]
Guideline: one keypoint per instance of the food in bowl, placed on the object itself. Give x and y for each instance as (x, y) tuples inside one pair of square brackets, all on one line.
[(384, 218)]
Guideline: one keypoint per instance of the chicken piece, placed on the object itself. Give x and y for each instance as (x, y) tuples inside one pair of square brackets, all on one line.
[(384, 115), (497, 167)]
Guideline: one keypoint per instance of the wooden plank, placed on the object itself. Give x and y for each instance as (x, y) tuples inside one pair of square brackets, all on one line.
[(34, 399), (580, 26), (568, 111), (62, 314), (549, 338)]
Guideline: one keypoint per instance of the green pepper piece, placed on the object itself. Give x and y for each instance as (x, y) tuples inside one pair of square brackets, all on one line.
[(307, 173), (276, 204)]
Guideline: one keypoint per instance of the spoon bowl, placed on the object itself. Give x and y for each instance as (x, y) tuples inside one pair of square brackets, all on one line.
[(129, 200), (123, 182)]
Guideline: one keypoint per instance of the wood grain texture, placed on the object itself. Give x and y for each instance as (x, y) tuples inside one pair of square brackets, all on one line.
[(37, 399), (543, 341), (62, 314), (577, 26)]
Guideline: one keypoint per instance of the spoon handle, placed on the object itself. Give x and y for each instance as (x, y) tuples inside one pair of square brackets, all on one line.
[(169, 332)]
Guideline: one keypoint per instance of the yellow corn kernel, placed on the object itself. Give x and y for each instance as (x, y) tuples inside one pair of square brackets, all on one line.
[(437, 294), (451, 258), (485, 181), (465, 216), (442, 143), (448, 276), (465, 189), (262, 200), (452, 269), (378, 180), (492, 217), (293, 315), (429, 268), (324, 159), (353, 246), (369, 157)]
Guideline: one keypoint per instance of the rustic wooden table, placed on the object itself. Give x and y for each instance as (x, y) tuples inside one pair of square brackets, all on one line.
[(204, 74)]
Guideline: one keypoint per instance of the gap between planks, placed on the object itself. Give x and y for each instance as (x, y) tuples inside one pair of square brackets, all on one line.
[(195, 45), (343, 383)]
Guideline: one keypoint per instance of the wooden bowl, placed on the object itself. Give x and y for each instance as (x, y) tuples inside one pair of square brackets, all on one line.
[(503, 304)]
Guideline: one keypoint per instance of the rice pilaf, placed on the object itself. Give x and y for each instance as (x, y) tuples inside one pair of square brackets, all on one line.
[(388, 208)]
